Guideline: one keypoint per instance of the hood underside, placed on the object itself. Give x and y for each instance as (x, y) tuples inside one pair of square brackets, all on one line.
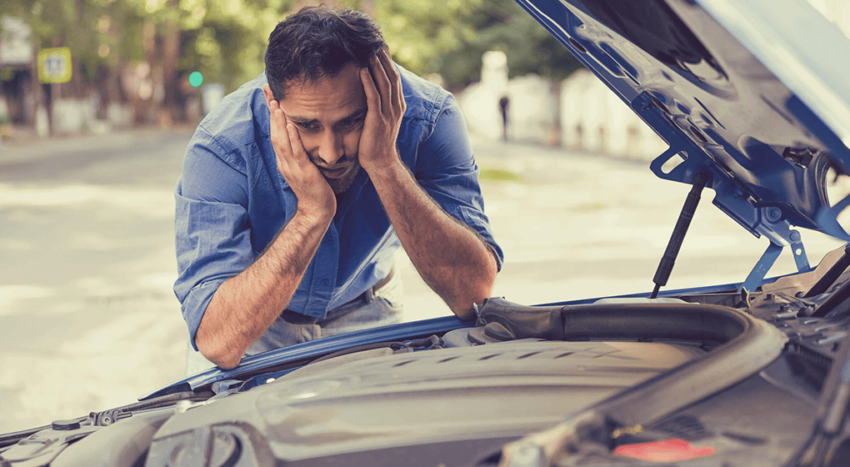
[(748, 93)]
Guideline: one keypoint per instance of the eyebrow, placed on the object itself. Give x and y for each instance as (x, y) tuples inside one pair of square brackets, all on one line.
[(305, 121)]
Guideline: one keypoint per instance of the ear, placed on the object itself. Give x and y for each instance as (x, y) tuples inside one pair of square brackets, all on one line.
[(267, 91)]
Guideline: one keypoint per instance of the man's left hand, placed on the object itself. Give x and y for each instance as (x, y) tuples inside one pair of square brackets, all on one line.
[(382, 85)]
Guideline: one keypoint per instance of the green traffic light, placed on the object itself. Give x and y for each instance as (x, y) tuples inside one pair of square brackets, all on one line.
[(196, 78)]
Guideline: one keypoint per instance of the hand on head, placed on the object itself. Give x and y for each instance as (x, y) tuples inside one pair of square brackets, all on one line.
[(315, 196), (382, 85)]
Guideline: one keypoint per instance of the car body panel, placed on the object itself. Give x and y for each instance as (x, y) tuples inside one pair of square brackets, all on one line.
[(434, 396), (293, 356)]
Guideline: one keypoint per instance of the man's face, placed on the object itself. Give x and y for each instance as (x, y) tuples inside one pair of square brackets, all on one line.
[(329, 116)]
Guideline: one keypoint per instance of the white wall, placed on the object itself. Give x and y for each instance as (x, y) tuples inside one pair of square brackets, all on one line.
[(585, 115), (594, 119), (480, 101), (74, 116), (532, 111)]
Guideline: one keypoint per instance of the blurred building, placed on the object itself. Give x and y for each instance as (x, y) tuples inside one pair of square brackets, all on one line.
[(580, 113), (480, 101), (119, 97), (16, 58), (594, 119)]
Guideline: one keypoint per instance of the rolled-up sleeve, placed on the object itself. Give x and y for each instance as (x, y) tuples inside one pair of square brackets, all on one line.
[(212, 232), (446, 169)]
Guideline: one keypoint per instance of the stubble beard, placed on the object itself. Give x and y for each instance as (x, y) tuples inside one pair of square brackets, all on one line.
[(339, 185)]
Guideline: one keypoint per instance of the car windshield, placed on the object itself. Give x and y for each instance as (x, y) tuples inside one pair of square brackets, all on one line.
[(98, 106)]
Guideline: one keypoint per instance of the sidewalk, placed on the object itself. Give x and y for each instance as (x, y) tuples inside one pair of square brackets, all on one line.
[(25, 146)]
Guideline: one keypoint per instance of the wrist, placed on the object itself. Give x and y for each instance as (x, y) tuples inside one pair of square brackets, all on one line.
[(389, 168), (314, 217)]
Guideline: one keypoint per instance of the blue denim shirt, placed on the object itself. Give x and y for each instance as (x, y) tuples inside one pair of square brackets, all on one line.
[(232, 200)]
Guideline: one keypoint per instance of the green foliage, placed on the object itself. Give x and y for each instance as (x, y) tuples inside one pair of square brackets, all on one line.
[(71, 24), (492, 174), (226, 39), (503, 25), (419, 31)]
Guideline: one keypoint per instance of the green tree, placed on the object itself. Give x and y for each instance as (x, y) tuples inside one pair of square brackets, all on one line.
[(223, 40), (417, 32), (72, 24), (504, 25), (226, 40)]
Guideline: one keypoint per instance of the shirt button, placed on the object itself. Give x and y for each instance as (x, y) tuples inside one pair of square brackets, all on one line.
[(330, 238), (325, 282)]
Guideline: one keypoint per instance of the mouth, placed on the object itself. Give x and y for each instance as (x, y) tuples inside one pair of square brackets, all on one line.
[(335, 172)]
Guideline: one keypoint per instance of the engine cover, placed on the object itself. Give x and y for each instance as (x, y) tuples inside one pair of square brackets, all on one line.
[(477, 396)]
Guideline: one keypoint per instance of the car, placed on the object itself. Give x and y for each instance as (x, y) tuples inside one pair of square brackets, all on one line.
[(752, 98)]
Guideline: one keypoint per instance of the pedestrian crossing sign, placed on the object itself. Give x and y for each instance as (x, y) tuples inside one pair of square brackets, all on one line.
[(54, 65)]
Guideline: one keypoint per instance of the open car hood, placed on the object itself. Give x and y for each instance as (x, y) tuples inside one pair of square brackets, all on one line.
[(740, 375), (754, 94)]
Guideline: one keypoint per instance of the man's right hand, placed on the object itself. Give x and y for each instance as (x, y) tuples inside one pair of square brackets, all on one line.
[(244, 306), (315, 195)]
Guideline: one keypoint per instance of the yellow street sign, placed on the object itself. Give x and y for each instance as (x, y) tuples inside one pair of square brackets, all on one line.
[(54, 65)]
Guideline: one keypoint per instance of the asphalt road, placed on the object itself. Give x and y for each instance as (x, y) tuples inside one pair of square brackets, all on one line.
[(88, 320)]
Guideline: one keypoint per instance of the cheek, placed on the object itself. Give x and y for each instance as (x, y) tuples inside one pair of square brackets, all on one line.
[(309, 141), (351, 141)]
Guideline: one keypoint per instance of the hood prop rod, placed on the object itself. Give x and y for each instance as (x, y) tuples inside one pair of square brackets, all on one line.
[(665, 267)]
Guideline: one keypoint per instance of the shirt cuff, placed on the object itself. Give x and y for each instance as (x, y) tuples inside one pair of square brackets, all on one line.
[(195, 305), (478, 221)]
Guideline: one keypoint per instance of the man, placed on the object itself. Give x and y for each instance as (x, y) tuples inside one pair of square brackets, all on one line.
[(298, 188)]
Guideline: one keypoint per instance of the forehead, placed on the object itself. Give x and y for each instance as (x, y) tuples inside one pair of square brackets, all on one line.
[(326, 99)]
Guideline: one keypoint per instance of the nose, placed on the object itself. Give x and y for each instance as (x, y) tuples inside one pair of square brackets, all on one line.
[(330, 148)]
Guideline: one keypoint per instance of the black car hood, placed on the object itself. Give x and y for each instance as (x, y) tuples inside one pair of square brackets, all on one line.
[(753, 93), (485, 395)]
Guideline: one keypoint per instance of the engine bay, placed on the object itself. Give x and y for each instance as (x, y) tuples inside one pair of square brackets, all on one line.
[(632, 370)]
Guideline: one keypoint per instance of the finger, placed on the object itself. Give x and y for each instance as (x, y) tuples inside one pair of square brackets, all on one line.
[(277, 133), (276, 124), (387, 63), (397, 98), (274, 107), (382, 82), (373, 98), (281, 141), (296, 146)]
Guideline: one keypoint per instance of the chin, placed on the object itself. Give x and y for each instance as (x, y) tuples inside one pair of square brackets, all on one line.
[(339, 185)]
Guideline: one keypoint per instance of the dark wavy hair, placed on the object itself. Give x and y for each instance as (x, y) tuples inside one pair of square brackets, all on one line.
[(317, 42)]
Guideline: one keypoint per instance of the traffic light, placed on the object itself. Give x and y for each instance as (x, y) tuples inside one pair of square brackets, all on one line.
[(196, 78)]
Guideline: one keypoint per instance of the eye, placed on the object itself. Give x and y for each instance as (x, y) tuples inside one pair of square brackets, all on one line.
[(350, 123), (308, 126)]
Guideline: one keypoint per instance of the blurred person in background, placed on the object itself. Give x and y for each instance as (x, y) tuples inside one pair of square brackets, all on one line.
[(298, 188), (504, 105)]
